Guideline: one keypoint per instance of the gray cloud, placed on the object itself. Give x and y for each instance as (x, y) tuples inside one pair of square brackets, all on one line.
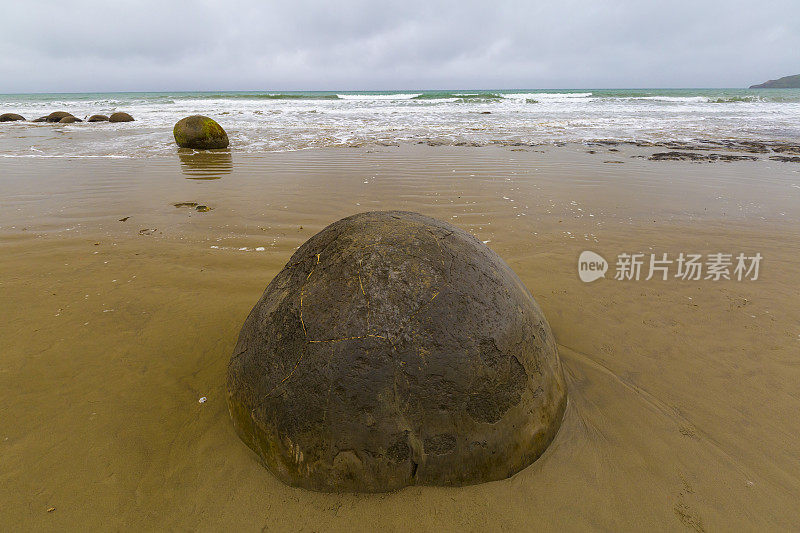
[(84, 45)]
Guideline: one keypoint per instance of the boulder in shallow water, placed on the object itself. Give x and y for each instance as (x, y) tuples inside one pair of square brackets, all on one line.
[(69, 120), (394, 349), (119, 116), (10, 117), (98, 118), (56, 116), (40, 119), (200, 133)]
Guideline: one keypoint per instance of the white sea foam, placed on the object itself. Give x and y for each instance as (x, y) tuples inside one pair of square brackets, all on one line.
[(544, 96), (672, 98), (271, 121), (399, 96)]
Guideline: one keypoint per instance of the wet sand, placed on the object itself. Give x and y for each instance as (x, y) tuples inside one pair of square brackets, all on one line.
[(683, 395)]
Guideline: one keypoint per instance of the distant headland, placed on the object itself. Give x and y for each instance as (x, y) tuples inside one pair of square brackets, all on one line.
[(787, 82)]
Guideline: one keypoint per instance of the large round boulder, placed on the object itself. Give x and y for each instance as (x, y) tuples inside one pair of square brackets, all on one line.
[(200, 133), (10, 117), (56, 116), (98, 118), (120, 116), (395, 349), (69, 120)]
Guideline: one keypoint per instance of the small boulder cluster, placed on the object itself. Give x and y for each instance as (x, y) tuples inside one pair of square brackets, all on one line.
[(197, 132), (63, 117)]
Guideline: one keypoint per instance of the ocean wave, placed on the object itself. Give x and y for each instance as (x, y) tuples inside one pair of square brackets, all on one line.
[(784, 98), (734, 99), (459, 96), (721, 96), (260, 96), (545, 96), (778, 99), (479, 97), (259, 121), (400, 96), (671, 98)]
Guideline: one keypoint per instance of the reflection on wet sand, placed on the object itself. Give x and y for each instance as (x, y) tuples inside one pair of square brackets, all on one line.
[(205, 165)]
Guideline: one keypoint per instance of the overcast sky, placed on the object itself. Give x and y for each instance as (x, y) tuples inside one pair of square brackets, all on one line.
[(82, 45)]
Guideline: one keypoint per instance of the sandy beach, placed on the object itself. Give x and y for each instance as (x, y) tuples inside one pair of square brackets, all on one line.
[(120, 312)]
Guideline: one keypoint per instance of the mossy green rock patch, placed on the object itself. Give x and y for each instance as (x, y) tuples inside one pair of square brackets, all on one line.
[(200, 133), (394, 349)]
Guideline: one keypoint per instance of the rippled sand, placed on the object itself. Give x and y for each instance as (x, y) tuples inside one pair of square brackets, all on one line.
[(683, 395)]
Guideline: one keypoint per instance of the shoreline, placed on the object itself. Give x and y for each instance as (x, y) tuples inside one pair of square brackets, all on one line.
[(696, 150)]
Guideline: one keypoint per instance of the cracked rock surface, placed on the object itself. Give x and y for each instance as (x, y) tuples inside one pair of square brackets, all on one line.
[(395, 349)]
